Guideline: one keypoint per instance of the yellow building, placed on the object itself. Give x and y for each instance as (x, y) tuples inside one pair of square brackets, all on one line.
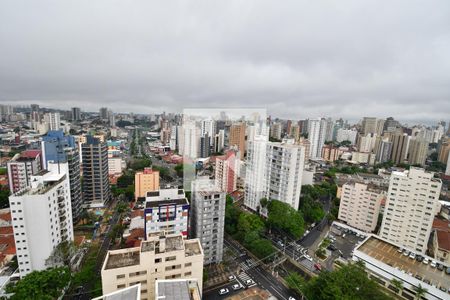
[(145, 181)]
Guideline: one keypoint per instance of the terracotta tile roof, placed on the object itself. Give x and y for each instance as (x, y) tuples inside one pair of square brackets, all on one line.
[(6, 230), (7, 242), (440, 224), (30, 153), (137, 213), (79, 239), (6, 216), (443, 239)]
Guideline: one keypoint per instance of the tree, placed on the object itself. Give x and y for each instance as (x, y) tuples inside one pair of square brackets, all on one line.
[(397, 284), (349, 282), (140, 164), (420, 291), (295, 282), (44, 285), (62, 254), (4, 197), (283, 217)]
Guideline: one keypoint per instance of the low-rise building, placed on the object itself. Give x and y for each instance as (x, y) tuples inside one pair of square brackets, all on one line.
[(385, 261), (440, 247), (145, 181), (164, 257)]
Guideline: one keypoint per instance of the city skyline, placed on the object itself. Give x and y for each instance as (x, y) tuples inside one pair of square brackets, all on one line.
[(299, 59)]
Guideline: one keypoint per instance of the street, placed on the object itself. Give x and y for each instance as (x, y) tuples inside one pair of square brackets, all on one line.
[(250, 269)]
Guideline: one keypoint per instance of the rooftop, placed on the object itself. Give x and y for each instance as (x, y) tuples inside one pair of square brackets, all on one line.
[(181, 289), (387, 253), (120, 259)]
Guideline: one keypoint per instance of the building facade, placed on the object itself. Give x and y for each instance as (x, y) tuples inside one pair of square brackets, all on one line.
[(227, 171), (166, 212), (21, 167), (96, 188), (208, 218), (58, 148), (165, 257), (41, 218), (145, 181), (237, 137), (412, 203), (360, 205)]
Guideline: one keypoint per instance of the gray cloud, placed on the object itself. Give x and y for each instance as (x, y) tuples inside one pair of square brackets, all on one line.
[(296, 58)]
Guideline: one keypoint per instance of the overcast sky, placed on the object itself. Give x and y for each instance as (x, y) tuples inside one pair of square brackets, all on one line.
[(296, 58)]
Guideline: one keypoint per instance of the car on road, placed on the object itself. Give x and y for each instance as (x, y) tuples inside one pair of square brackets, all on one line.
[(426, 261), (223, 291), (318, 267), (308, 257), (236, 286), (249, 282), (291, 298), (433, 264), (231, 277), (332, 247), (280, 243)]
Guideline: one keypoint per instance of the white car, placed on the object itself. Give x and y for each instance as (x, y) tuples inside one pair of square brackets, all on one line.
[(291, 298), (236, 286), (412, 255), (249, 282), (433, 264), (231, 277), (223, 291), (425, 261), (308, 257)]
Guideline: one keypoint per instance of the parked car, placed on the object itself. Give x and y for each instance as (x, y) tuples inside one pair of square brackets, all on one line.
[(425, 261), (447, 270), (291, 298), (231, 277), (419, 258), (400, 250), (318, 267), (406, 253), (332, 247), (236, 287), (223, 291), (433, 264), (440, 267), (412, 255)]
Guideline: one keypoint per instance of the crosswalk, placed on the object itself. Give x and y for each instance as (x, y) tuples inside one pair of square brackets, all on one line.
[(249, 263)]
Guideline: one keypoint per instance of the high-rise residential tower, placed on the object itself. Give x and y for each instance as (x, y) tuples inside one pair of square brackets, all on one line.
[(96, 188), (58, 148), (316, 135), (237, 137), (208, 218), (41, 218), (412, 202)]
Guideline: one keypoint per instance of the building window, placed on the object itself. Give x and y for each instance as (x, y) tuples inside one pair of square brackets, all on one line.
[(120, 286), (170, 258), (120, 276)]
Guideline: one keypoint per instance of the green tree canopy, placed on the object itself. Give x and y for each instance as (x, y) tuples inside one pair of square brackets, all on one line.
[(349, 282), (44, 285), (283, 217)]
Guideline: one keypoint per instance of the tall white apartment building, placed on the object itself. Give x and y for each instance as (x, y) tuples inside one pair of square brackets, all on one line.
[(412, 203), (346, 135), (190, 141), (255, 171), (366, 143), (53, 120), (360, 204), (165, 257), (284, 169), (208, 218), (274, 171), (316, 135), (41, 217)]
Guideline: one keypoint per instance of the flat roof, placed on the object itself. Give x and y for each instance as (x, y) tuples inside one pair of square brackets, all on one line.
[(156, 203), (388, 254), (122, 259), (177, 290)]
